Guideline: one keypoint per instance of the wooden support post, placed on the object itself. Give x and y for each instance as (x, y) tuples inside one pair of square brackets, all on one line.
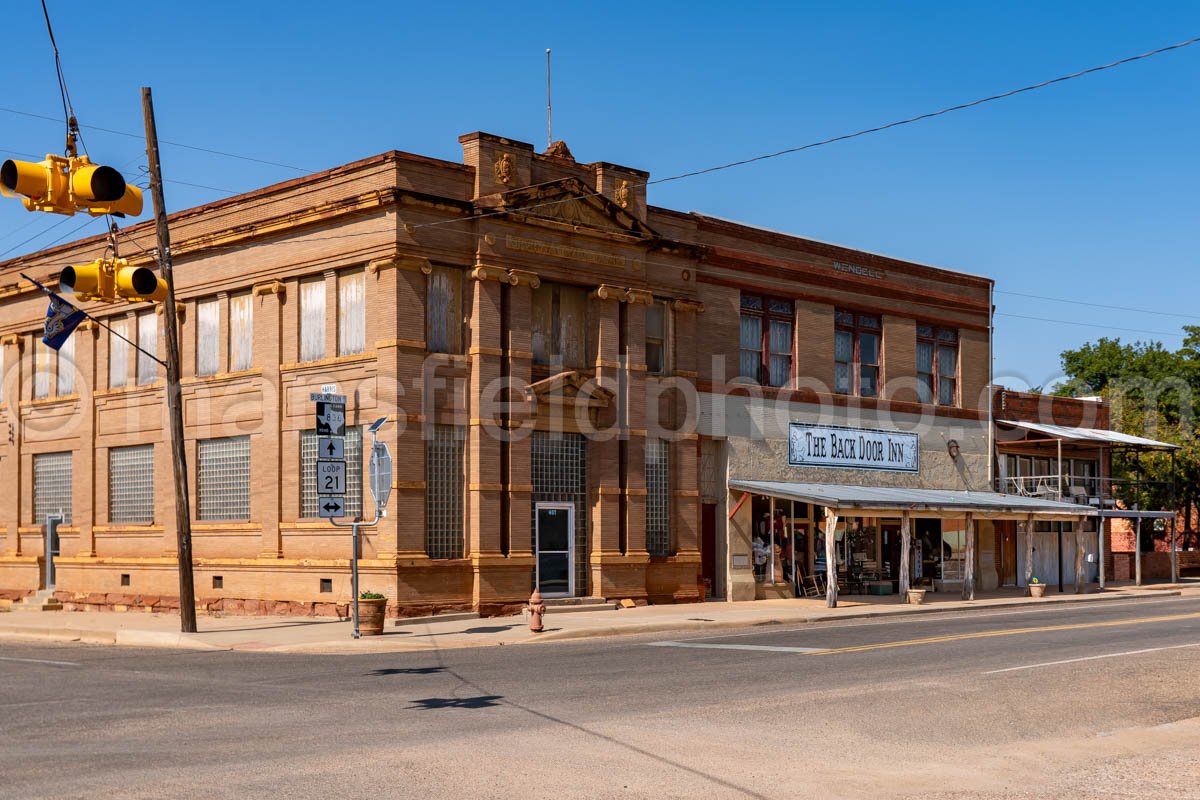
[(1079, 555), (1028, 553), (905, 556), (1100, 543), (1137, 549), (1174, 557), (831, 586), (968, 587)]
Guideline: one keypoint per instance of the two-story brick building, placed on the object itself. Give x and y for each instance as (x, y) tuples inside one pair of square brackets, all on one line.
[(584, 393)]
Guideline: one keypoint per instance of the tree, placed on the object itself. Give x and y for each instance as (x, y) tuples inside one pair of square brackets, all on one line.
[(1152, 392)]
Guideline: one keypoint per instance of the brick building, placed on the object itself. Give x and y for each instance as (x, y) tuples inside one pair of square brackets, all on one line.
[(584, 392)]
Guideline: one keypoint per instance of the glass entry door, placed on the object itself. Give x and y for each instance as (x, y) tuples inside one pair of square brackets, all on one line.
[(555, 549)]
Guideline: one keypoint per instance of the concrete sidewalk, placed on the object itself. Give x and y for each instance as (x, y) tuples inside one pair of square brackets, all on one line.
[(309, 635)]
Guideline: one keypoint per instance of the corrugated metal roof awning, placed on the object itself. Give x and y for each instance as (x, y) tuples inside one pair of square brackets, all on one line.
[(891, 498), (1090, 435)]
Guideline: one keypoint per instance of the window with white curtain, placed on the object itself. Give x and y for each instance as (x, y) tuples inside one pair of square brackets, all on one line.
[(66, 367), (147, 367), (241, 332), (208, 336), (43, 366), (352, 312), (118, 353), (443, 311), (312, 319)]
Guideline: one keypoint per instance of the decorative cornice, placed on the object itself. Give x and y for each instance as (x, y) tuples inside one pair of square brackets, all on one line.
[(13, 338), (606, 292), (639, 297), (270, 287), (403, 262), (689, 306), (522, 277), (486, 273)]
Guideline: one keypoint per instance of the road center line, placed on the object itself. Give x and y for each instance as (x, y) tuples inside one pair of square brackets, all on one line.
[(1091, 658), (1006, 632), (42, 661), (764, 647)]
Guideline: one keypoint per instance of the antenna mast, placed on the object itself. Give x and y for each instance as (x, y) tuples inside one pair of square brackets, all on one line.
[(549, 127)]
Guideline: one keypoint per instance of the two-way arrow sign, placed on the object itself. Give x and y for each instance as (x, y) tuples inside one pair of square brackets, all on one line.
[(331, 507)]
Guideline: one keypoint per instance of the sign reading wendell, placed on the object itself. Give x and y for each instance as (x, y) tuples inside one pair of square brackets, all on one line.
[(852, 448)]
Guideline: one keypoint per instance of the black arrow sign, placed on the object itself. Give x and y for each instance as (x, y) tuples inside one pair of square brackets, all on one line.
[(332, 449), (333, 506)]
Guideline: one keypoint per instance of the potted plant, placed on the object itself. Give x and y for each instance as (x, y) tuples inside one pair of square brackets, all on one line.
[(371, 607), (1036, 587), (916, 596)]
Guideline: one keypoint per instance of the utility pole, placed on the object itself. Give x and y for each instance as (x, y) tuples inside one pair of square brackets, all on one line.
[(183, 511)]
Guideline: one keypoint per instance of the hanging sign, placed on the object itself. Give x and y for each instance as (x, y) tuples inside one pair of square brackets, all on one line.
[(852, 448)]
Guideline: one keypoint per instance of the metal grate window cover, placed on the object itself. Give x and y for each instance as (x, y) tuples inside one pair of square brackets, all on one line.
[(223, 478), (309, 499), (51, 486), (559, 472), (131, 484), (658, 497), (444, 491)]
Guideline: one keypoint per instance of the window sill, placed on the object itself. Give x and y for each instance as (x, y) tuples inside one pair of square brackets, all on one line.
[(328, 362), (219, 377)]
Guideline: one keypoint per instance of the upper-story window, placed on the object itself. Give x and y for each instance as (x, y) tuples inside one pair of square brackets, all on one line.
[(766, 339), (443, 311), (657, 327), (118, 352), (66, 367), (559, 325), (352, 312), (147, 339), (312, 319), (937, 364), (208, 336), (241, 332), (857, 353)]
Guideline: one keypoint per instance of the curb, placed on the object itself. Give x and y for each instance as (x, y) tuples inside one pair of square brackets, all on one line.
[(663, 627)]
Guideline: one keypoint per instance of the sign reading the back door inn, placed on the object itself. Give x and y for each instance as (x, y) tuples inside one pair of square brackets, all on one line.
[(851, 448)]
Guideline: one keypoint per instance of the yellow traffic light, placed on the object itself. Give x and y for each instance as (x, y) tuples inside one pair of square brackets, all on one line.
[(139, 283), (94, 281), (112, 280), (66, 185)]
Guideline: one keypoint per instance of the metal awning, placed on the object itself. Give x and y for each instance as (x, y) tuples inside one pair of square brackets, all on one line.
[(936, 501), (1095, 435)]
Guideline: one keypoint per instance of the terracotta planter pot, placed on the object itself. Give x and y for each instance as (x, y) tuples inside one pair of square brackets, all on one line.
[(1037, 590), (370, 616), (916, 596)]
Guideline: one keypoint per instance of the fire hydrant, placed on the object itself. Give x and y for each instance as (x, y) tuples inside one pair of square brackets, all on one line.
[(536, 609)]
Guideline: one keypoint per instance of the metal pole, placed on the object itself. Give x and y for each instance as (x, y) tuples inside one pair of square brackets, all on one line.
[(1100, 544), (354, 574), (1174, 563), (183, 512)]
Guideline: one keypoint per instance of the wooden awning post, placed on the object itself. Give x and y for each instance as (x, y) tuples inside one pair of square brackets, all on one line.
[(831, 585), (1028, 553), (1079, 554), (905, 556), (968, 588), (1100, 540), (1174, 562)]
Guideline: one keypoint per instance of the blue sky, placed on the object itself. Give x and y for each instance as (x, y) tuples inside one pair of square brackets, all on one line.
[(1082, 191)]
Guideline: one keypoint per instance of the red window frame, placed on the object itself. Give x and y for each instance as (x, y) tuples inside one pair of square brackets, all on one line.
[(857, 323), (939, 337), (767, 309)]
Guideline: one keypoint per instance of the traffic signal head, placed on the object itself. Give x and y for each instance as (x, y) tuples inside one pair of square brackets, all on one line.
[(67, 185), (113, 280)]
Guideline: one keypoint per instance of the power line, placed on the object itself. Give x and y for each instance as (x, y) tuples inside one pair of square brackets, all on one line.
[(1100, 305), (139, 136), (863, 132), (1087, 324)]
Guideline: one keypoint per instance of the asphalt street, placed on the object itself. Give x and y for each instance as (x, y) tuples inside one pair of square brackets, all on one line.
[(1088, 700)]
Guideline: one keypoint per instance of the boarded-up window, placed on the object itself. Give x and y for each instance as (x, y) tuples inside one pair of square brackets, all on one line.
[(559, 325), (223, 478), (352, 313), (352, 448), (444, 491), (443, 311), (118, 353), (147, 367), (66, 366), (51, 486), (312, 319), (658, 497), (131, 484), (43, 368), (241, 332), (208, 336)]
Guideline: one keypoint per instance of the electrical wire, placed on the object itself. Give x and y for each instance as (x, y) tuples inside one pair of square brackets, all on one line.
[(1087, 324), (1156, 312), (68, 107)]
